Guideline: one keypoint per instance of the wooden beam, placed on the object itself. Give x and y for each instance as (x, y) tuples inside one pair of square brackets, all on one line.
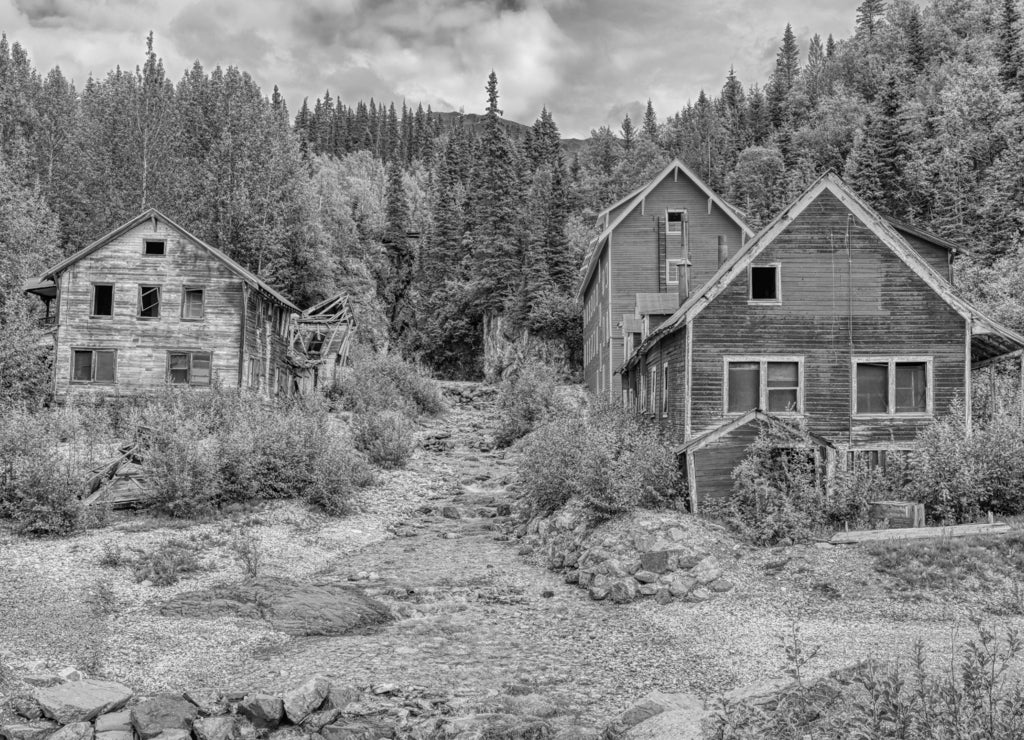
[(918, 533)]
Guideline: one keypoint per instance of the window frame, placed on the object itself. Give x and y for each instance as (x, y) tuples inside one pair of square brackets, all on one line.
[(146, 241), (185, 290), (763, 361), (682, 218), (159, 302), (92, 366), (652, 389), (92, 301), (190, 353), (777, 300), (891, 362), (668, 270), (664, 390)]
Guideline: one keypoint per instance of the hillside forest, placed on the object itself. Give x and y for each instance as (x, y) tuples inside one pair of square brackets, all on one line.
[(436, 224)]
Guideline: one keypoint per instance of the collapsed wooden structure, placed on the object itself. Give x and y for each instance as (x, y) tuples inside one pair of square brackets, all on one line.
[(318, 343)]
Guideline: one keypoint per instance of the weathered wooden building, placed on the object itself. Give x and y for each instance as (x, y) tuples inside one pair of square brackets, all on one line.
[(833, 314), (150, 304), (674, 224)]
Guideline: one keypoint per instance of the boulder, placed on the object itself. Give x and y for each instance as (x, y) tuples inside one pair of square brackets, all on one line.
[(664, 596), (26, 707), (41, 679), (572, 576), (115, 735), (81, 701), (579, 733), (451, 512), (156, 716), (74, 731), (721, 585), (648, 589), (764, 694), (645, 576), (677, 724), (698, 594), (706, 571), (623, 590), (676, 534), (615, 569), (679, 586), (216, 728), (39, 730), (174, 734), (584, 578), (318, 720), (209, 702), (655, 561), (686, 561), (631, 564), (302, 701), (652, 705), (263, 710), (70, 673), (365, 728), (114, 722), (597, 593)]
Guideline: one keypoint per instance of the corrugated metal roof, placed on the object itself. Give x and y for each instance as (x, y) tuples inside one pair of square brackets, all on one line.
[(656, 303)]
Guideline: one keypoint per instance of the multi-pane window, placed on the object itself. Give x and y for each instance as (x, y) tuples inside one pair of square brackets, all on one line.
[(93, 365), (102, 300), (672, 269), (767, 384), (193, 304), (188, 368), (889, 386), (764, 283), (674, 222), (149, 301)]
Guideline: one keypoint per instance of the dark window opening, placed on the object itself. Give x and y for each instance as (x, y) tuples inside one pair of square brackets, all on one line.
[(154, 247), (149, 302), (103, 300), (189, 368), (674, 222), (764, 284), (93, 366), (192, 306), (744, 386), (872, 388)]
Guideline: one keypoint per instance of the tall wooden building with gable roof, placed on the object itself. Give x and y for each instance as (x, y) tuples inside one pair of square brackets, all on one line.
[(833, 314), (150, 304), (671, 225)]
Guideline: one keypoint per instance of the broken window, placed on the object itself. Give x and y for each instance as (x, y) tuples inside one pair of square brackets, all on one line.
[(93, 365), (189, 368), (149, 301), (674, 222), (193, 304), (154, 247), (887, 386), (764, 283), (102, 300), (744, 386), (783, 386)]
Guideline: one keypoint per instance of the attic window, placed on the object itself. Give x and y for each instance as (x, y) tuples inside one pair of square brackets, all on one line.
[(674, 222), (154, 247), (764, 283)]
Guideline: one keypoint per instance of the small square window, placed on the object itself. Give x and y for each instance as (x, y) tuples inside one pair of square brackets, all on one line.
[(149, 301), (193, 302), (154, 247), (102, 300), (764, 283), (674, 222)]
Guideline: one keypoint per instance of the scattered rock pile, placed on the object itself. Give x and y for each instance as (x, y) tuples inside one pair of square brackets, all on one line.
[(661, 555)]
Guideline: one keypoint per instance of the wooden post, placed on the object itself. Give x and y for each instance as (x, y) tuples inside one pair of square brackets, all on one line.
[(723, 249), (1021, 395), (992, 390), (684, 266)]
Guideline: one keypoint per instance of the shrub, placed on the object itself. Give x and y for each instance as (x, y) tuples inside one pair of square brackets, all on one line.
[(248, 551), (526, 399), (165, 565), (385, 438), (338, 473), (606, 456), (182, 474), (377, 382)]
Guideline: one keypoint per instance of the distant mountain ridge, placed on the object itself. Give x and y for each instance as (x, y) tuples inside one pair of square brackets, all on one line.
[(516, 130)]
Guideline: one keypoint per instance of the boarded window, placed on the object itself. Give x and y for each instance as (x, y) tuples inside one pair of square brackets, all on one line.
[(149, 302), (783, 386), (764, 283), (103, 300), (674, 222), (744, 386), (93, 365), (193, 304), (911, 387), (872, 388), (154, 247), (189, 368)]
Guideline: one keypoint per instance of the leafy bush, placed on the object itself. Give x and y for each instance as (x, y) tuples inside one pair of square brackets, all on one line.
[(377, 382), (385, 438), (605, 456), (165, 565), (526, 399)]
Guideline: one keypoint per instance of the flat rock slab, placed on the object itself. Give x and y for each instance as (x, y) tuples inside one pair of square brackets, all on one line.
[(81, 701), (27, 731), (74, 731), (161, 714), (326, 607), (115, 722)]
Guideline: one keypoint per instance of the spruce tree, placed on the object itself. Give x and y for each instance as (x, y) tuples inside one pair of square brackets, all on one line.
[(877, 163), (787, 68), (650, 123), (1008, 49), (628, 133), (868, 14), (916, 52)]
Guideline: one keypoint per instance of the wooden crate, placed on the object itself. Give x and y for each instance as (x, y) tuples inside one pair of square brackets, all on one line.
[(899, 514)]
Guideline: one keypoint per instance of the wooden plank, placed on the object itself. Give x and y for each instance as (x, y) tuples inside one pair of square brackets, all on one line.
[(918, 533)]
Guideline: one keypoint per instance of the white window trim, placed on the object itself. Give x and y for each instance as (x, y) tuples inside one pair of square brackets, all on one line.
[(652, 389), (668, 271), (664, 390), (763, 378), (682, 212), (777, 300), (892, 360)]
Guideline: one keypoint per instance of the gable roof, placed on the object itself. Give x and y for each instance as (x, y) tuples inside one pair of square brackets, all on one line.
[(731, 425), (932, 238), (154, 215), (637, 197), (993, 338)]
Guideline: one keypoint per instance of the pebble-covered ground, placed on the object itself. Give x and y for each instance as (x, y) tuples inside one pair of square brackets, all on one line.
[(476, 620)]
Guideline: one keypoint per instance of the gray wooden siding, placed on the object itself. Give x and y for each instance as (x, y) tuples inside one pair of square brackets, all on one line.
[(714, 463)]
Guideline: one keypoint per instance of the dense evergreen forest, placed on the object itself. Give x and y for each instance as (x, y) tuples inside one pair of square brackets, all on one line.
[(437, 224)]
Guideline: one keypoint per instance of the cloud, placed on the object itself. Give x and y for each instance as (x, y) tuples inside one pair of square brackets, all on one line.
[(588, 61)]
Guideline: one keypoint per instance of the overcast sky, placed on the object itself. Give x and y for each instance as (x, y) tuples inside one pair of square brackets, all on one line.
[(589, 61)]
